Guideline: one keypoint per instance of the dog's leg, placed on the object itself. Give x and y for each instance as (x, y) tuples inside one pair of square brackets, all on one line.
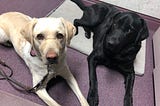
[(93, 90), (79, 22), (76, 25), (129, 76), (129, 82), (127, 71), (42, 93), (4, 40), (87, 32), (67, 75)]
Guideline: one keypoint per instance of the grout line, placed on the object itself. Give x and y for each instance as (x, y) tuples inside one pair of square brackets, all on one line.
[(54, 9)]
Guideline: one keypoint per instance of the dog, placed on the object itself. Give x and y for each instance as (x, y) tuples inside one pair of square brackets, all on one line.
[(42, 44), (117, 39)]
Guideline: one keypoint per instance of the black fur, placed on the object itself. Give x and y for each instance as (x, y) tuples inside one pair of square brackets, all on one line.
[(117, 39)]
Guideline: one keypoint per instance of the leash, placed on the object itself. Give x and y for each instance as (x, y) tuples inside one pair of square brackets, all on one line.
[(5, 65), (17, 85)]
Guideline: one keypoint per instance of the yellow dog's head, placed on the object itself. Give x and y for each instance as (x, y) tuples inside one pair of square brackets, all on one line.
[(49, 37)]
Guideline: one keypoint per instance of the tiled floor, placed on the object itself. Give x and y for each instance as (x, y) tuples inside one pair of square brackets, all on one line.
[(148, 7)]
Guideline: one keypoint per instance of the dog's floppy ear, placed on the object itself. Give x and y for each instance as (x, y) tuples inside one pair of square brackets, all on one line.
[(70, 30), (143, 33), (27, 30)]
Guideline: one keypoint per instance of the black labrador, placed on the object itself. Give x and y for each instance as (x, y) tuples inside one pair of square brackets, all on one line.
[(117, 39)]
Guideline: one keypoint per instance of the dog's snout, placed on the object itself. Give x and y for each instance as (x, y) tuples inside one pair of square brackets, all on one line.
[(52, 57)]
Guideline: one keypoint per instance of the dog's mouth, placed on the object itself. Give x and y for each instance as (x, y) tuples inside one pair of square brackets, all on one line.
[(33, 52)]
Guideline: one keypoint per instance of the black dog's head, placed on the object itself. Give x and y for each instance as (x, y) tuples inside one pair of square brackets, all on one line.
[(124, 29)]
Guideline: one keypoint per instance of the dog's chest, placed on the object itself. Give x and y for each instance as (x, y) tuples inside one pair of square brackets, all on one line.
[(52, 71)]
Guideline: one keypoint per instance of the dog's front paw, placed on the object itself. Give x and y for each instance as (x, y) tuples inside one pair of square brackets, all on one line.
[(128, 101), (76, 32), (76, 26), (92, 98), (84, 103)]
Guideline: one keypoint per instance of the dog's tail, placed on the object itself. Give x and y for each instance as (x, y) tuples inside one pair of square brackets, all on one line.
[(80, 4)]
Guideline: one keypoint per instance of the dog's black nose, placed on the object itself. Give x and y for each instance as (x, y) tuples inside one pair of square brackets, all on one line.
[(52, 60)]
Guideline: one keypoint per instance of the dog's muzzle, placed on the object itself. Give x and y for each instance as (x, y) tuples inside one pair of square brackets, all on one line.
[(52, 57)]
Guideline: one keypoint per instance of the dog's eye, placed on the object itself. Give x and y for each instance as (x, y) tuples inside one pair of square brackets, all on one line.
[(60, 36), (129, 31), (40, 36), (114, 25)]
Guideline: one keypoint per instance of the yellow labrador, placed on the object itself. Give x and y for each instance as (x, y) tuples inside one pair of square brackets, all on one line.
[(46, 39)]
